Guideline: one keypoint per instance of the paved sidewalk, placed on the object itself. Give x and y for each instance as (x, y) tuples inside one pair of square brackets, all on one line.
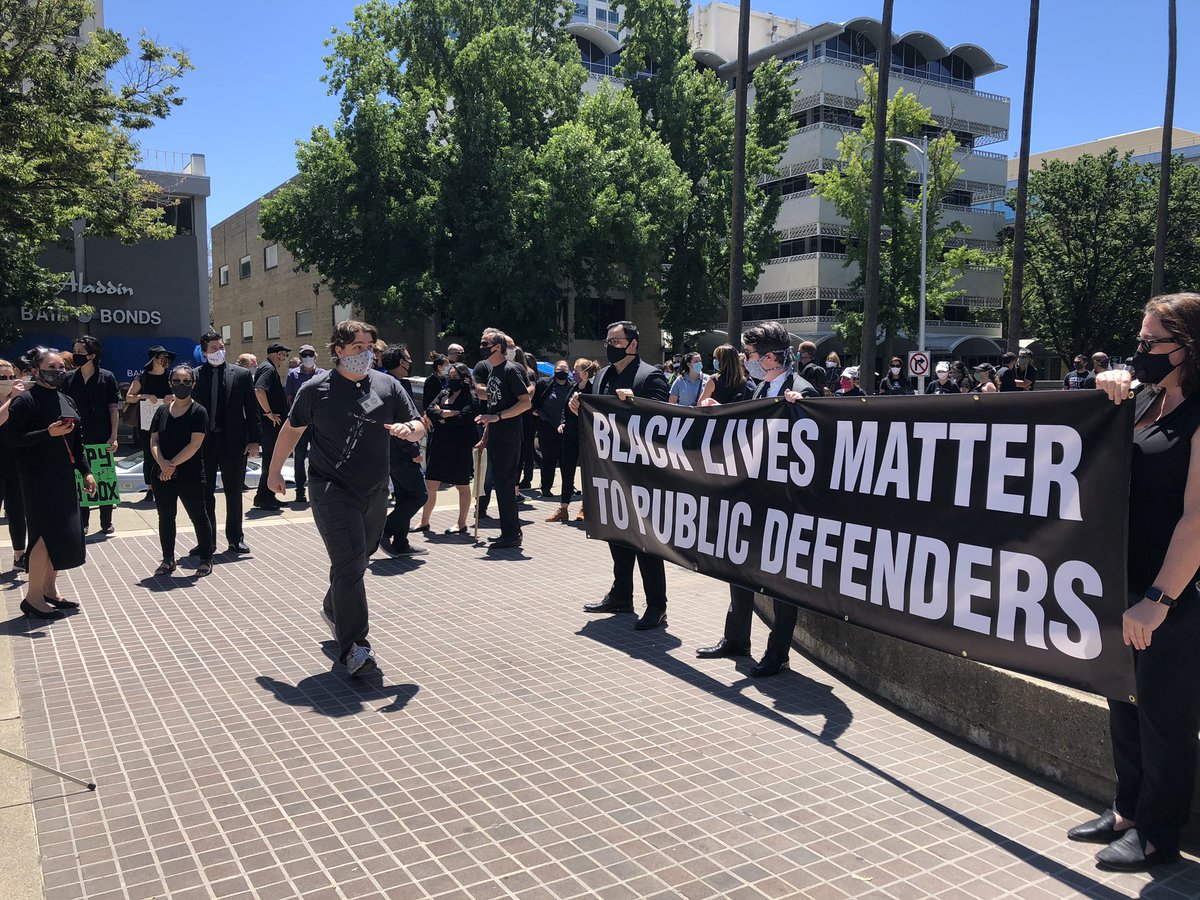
[(513, 747)]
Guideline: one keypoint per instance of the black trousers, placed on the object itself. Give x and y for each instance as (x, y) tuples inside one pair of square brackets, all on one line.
[(1154, 741), (14, 508), (269, 435), (232, 466), (408, 484), (504, 460), (300, 461), (740, 617), (192, 495), (529, 455), (654, 576), (569, 464), (550, 442), (85, 515), (350, 525)]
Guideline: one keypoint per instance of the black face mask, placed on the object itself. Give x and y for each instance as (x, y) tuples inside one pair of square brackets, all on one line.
[(80, 359), (560, 376), (182, 391), (1152, 368), (1079, 367), (454, 383), (616, 354)]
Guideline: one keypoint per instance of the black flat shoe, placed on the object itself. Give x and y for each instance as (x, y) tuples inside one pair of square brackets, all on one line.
[(60, 603), (462, 530), (722, 648), (608, 605), (768, 667), (22, 564), (506, 544), (1097, 831), (420, 528), (32, 612), (1128, 854), (651, 618)]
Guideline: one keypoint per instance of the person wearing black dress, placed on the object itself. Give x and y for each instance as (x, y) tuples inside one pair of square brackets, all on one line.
[(150, 386), (585, 371), (48, 450), (730, 384), (11, 387), (436, 382), (1154, 740), (176, 439), (448, 457)]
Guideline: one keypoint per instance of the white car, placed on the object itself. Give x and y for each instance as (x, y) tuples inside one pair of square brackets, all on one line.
[(130, 479)]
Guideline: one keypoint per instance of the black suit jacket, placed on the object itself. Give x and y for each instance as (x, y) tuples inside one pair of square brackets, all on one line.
[(239, 423), (796, 382), (648, 382)]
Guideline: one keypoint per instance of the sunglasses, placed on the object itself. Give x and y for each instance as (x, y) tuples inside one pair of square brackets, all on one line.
[(1144, 344)]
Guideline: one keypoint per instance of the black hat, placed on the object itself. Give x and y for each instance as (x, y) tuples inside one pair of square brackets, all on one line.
[(985, 367), (159, 350), (277, 347)]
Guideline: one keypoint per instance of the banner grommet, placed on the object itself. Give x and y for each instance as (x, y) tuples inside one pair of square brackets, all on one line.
[(964, 653)]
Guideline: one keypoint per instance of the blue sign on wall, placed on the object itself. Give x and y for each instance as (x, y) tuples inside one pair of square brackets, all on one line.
[(125, 357)]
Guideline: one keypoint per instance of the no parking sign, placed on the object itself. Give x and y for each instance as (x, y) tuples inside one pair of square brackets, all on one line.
[(918, 363)]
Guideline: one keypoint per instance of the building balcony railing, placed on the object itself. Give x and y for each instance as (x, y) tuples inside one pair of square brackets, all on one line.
[(172, 162), (853, 61)]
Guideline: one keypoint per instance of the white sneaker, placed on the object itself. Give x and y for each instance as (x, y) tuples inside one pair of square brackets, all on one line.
[(329, 622), (360, 660)]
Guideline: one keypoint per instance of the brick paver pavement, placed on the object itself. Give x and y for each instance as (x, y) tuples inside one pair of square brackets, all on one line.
[(513, 747)]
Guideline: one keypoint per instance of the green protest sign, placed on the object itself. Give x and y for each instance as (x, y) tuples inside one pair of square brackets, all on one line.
[(100, 458)]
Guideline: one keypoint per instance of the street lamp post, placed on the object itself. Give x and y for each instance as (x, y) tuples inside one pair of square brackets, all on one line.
[(923, 149)]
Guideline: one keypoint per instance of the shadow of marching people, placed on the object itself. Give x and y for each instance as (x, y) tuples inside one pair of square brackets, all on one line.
[(331, 695)]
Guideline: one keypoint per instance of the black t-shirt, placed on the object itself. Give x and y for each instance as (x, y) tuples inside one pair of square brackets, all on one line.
[(1007, 377), (506, 384), (267, 379), (936, 386), (1158, 475), (1030, 373), (175, 433), (1079, 381), (347, 441), (94, 399)]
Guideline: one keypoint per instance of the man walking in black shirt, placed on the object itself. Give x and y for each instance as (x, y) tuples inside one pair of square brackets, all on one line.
[(351, 415), (272, 401), (626, 377), (94, 391), (507, 400)]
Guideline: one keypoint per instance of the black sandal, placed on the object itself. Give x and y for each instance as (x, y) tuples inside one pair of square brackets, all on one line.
[(166, 568), (205, 568)]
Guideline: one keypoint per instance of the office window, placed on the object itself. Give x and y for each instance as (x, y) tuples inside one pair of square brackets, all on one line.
[(272, 327), (247, 332), (244, 267), (226, 333), (304, 321), (271, 256), (223, 276), (342, 312)]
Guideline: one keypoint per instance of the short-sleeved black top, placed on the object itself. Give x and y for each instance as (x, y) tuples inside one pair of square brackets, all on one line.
[(94, 398), (267, 379), (1161, 454), (348, 444), (506, 384), (175, 433)]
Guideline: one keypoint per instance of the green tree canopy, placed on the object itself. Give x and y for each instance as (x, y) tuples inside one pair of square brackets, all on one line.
[(848, 188), (467, 176), (66, 137), (1090, 249)]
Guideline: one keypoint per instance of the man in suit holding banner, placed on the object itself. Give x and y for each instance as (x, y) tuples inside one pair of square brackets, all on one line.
[(628, 376), (769, 362)]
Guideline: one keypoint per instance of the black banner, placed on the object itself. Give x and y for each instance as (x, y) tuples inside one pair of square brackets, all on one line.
[(992, 527)]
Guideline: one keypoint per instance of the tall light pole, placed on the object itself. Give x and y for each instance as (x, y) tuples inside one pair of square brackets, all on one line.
[(923, 149), (737, 221)]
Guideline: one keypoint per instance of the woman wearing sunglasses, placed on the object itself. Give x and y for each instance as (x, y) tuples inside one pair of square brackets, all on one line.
[(176, 436), (1154, 741)]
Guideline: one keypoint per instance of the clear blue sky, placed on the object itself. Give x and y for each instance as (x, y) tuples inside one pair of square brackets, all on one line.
[(256, 88)]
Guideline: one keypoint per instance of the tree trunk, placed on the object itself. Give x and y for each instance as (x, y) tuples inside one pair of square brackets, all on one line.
[(1018, 272), (875, 226), (1157, 286), (737, 222)]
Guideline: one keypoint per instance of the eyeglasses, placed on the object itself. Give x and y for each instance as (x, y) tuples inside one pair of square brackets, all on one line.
[(750, 351), (1144, 344), (175, 382), (618, 343)]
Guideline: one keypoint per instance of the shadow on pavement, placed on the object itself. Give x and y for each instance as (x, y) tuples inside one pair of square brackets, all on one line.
[(799, 695), (334, 694), (20, 626)]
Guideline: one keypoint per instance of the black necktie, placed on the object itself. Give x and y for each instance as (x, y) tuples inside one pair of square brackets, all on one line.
[(215, 400)]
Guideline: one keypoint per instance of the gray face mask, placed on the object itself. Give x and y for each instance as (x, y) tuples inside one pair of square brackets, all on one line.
[(755, 369), (359, 363), (52, 378)]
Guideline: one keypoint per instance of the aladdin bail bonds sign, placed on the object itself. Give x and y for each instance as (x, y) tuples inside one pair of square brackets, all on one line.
[(987, 526)]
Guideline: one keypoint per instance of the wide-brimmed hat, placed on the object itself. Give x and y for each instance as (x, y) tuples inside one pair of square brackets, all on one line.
[(158, 350)]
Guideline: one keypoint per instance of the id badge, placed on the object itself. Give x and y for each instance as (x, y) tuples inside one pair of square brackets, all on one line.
[(369, 403)]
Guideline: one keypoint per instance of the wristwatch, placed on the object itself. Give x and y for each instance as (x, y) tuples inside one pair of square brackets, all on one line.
[(1154, 595)]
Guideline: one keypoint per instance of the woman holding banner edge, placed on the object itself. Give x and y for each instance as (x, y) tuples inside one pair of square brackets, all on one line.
[(1154, 741)]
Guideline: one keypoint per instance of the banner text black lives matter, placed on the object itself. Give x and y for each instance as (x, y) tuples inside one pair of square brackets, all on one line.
[(988, 526)]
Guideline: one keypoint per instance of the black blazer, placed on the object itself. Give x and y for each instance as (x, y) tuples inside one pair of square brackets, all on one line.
[(797, 383), (240, 423), (649, 382)]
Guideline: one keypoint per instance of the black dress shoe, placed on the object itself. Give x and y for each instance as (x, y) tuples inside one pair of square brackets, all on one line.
[(268, 503), (651, 618), (609, 605), (1097, 831), (506, 544), (404, 550), (1128, 854), (60, 603), (721, 649), (195, 551), (32, 612), (769, 666), (240, 547)]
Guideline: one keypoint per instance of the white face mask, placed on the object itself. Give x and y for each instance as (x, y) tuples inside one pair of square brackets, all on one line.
[(308, 362), (895, 370), (216, 358), (359, 363), (511, 354)]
